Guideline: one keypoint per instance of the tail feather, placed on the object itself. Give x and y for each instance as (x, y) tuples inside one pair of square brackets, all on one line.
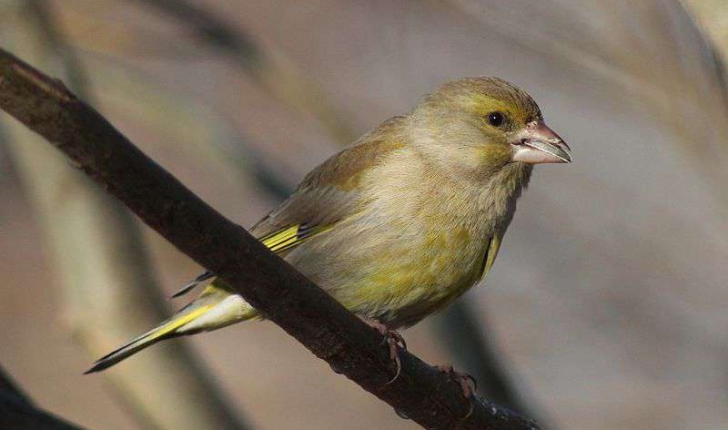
[(165, 330), (192, 284)]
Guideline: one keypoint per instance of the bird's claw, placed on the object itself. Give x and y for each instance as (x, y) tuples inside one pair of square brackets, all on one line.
[(467, 383), (394, 340)]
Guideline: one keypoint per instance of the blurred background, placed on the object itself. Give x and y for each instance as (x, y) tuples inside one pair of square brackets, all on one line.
[(606, 308)]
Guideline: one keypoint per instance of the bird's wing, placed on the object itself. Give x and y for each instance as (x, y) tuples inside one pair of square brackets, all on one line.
[(328, 194)]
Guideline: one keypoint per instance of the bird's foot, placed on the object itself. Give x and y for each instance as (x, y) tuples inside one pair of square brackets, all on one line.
[(467, 383), (393, 339)]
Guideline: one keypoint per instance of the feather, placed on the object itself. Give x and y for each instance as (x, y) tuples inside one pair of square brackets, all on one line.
[(192, 284), (163, 331)]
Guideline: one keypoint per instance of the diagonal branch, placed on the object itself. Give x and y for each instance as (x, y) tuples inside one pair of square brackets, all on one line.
[(10, 388), (17, 411), (283, 295), (18, 415)]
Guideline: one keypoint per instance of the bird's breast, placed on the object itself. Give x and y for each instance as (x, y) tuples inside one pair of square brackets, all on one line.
[(418, 241)]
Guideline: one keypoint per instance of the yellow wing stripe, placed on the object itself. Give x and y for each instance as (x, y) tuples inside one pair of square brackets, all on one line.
[(284, 244), (289, 237), (276, 238)]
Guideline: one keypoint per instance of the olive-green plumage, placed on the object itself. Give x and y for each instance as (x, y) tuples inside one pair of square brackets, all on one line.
[(403, 221)]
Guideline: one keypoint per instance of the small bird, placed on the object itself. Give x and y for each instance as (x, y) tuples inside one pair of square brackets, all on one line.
[(401, 222)]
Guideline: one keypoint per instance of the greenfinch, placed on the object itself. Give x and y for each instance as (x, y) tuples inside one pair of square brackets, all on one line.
[(401, 222)]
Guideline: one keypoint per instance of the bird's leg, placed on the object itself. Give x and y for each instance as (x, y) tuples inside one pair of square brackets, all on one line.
[(392, 338), (467, 383)]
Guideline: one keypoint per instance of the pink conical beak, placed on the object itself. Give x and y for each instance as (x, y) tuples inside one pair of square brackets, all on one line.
[(536, 143)]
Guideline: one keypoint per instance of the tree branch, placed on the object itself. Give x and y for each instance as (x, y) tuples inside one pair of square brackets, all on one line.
[(17, 411), (18, 415), (283, 295), (9, 387)]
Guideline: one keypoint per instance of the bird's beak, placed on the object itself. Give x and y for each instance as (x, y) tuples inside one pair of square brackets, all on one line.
[(536, 143)]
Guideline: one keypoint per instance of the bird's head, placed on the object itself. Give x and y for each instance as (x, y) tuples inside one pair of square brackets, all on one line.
[(481, 125)]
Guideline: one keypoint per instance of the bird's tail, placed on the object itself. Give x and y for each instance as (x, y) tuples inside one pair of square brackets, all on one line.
[(215, 308)]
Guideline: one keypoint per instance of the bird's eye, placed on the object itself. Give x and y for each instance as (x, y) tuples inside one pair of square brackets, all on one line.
[(496, 119)]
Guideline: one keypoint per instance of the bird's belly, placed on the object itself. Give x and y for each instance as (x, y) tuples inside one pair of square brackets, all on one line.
[(402, 293), (400, 281)]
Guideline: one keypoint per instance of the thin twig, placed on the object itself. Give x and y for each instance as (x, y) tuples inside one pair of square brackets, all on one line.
[(277, 290)]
